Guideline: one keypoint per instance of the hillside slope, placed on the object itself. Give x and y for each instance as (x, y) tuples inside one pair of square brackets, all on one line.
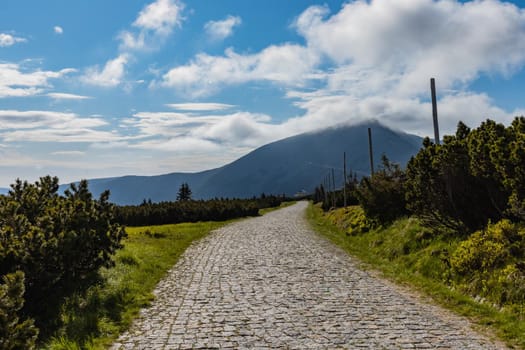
[(283, 167)]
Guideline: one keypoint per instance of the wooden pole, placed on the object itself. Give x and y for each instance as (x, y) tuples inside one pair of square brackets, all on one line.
[(333, 187), (344, 179), (325, 190), (434, 110), (370, 151)]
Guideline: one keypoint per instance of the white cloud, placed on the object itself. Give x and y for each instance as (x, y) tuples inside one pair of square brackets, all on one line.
[(131, 41), (199, 106), (154, 23), (51, 126), (373, 59), (58, 30), (66, 96), (179, 145), (72, 135), (409, 41), (9, 40), (68, 153), (14, 119), (220, 30), (286, 64), (160, 16), (240, 129), (16, 81), (111, 75), (409, 114)]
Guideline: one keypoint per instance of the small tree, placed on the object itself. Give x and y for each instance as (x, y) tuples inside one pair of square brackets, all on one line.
[(382, 196), (14, 333), (184, 192), (58, 242)]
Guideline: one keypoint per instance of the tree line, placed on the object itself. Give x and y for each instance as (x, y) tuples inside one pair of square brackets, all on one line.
[(188, 210)]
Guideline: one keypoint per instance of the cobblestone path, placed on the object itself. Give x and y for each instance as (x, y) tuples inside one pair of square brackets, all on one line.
[(271, 282)]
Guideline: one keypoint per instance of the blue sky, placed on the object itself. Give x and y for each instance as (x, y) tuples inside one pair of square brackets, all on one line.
[(102, 88)]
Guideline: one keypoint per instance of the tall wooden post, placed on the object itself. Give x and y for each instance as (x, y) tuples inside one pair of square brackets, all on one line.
[(344, 179), (333, 187), (434, 110), (370, 151), (326, 189)]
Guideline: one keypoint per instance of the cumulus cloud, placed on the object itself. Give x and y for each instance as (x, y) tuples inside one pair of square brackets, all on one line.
[(9, 40), (220, 30), (286, 64), (373, 59), (154, 23), (111, 75), (160, 16), (413, 40), (240, 129), (17, 81), (58, 30)]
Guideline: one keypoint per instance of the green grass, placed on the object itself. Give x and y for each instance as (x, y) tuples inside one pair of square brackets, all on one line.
[(283, 205), (410, 255), (109, 308)]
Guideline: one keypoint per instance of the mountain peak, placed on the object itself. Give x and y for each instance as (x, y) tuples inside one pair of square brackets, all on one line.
[(297, 163)]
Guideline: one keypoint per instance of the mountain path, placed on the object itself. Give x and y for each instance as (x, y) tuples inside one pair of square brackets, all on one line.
[(272, 282)]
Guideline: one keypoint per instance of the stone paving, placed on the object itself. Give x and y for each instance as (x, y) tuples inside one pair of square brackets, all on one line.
[(272, 283)]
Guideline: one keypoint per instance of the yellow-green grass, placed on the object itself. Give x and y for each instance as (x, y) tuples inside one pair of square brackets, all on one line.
[(109, 308), (283, 205), (409, 255)]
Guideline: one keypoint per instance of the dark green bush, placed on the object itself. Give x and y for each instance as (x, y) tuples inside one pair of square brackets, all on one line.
[(59, 242), (193, 210), (472, 178), (382, 196), (14, 333)]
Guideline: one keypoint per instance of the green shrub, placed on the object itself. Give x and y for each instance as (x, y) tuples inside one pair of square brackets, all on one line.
[(352, 219), (490, 263), (59, 242), (382, 196), (193, 210), (14, 333)]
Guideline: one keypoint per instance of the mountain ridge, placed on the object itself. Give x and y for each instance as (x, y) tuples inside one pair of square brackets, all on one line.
[(287, 166), (294, 164)]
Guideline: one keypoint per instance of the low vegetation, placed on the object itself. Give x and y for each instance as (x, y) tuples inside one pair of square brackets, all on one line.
[(187, 210), (52, 248), (70, 278), (409, 253), (108, 309), (452, 223)]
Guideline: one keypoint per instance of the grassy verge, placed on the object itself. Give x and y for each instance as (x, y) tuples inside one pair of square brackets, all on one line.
[(283, 205), (108, 309), (405, 253)]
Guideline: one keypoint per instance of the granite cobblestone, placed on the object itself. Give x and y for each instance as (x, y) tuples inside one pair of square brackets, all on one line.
[(272, 283)]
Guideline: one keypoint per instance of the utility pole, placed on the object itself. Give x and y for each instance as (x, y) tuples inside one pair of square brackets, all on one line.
[(370, 151), (344, 179), (325, 190), (333, 186), (434, 110)]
